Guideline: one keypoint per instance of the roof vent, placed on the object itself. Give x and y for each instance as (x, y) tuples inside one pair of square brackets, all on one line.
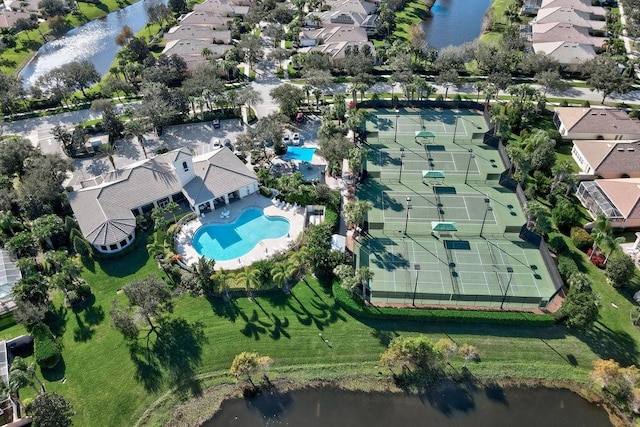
[(631, 149), (621, 150)]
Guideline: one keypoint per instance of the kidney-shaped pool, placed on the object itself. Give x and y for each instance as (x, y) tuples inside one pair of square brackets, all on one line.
[(224, 242)]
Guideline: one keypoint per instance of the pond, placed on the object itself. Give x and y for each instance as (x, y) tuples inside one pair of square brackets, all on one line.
[(451, 405), (454, 22), (94, 41)]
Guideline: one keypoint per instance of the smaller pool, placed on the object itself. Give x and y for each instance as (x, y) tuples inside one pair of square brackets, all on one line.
[(223, 242), (299, 153)]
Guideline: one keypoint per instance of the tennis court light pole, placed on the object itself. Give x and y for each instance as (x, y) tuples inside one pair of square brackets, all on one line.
[(455, 128), (401, 162), (487, 210), (415, 289), (395, 135), (406, 221), (471, 156), (504, 297)]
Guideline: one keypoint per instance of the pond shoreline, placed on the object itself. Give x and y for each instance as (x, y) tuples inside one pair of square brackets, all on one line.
[(198, 410)]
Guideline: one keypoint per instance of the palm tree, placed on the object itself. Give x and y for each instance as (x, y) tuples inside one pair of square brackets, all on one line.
[(307, 88), (109, 150), (206, 53), (600, 232), (281, 273), (8, 221), (614, 244), (317, 93), (248, 279), (136, 128), (221, 279)]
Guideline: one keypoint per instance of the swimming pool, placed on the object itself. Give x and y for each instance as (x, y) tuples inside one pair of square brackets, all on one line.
[(299, 153), (223, 242)]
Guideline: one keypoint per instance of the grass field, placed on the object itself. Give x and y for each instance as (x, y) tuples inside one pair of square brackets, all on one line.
[(101, 374)]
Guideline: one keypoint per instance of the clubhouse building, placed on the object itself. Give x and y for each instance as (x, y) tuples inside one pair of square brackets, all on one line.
[(107, 205)]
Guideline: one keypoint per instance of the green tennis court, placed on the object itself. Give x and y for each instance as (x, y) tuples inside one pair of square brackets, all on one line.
[(413, 162), (403, 123), (429, 206), (442, 229), (419, 270)]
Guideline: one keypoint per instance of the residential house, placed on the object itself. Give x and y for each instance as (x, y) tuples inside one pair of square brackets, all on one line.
[(197, 32), (339, 33), (30, 6), (618, 199), (607, 159), (569, 54), (337, 50), (192, 51), (355, 6), (339, 17), (210, 19), (106, 206), (595, 123), (595, 12), (569, 16), (222, 7), (566, 32), (9, 18)]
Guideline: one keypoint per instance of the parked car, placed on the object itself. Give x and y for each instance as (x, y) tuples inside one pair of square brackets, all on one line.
[(286, 140), (216, 123), (296, 139), (217, 143), (227, 143)]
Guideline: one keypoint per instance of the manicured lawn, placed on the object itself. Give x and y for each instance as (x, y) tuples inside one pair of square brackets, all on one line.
[(101, 375), (413, 13)]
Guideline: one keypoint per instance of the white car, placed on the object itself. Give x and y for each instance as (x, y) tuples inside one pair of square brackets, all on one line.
[(285, 139), (296, 139), (216, 143)]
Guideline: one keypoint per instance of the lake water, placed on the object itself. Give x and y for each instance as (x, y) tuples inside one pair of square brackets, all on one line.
[(453, 406), (94, 41), (454, 22)]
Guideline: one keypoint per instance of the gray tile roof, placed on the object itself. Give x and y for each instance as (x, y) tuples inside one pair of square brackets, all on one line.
[(217, 173), (597, 120), (104, 211)]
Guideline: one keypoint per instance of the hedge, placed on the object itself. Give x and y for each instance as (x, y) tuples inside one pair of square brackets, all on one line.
[(46, 351), (352, 307), (581, 238)]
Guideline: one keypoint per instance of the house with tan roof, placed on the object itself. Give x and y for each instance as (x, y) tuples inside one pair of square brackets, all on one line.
[(30, 6), (337, 51), (595, 12), (607, 159), (563, 31), (105, 207), (9, 18), (569, 54), (339, 33), (339, 17), (191, 50), (222, 7), (595, 123), (200, 32), (570, 16), (210, 19), (356, 6), (618, 199)]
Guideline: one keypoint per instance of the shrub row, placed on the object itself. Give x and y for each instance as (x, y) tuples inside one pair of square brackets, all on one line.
[(352, 307), (46, 351)]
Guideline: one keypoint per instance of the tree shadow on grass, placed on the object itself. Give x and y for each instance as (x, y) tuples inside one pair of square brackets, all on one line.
[(610, 344), (175, 354), (253, 327), (178, 348), (56, 373), (226, 309), (92, 315), (56, 320), (126, 265)]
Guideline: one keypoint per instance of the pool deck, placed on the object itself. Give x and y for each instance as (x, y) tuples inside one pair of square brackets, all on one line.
[(263, 250)]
